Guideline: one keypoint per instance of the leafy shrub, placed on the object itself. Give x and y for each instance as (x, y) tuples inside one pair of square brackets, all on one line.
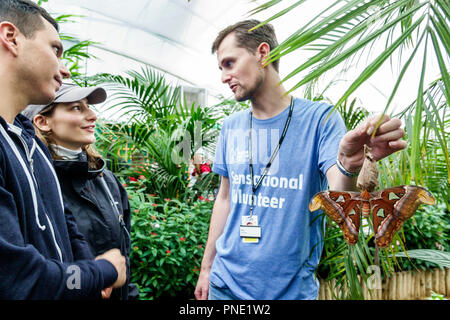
[(429, 229), (168, 240)]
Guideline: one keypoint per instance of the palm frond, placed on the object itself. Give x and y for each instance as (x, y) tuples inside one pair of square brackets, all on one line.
[(441, 258)]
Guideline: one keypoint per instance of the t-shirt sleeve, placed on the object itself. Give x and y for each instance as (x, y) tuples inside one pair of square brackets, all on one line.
[(331, 131), (219, 165)]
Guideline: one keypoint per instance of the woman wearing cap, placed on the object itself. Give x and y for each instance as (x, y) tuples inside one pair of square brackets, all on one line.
[(96, 198)]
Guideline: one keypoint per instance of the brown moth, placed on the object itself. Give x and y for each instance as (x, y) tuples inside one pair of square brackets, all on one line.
[(389, 207)]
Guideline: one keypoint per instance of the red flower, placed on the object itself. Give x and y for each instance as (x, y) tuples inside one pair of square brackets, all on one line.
[(142, 177), (124, 184), (153, 233), (168, 251), (136, 211), (200, 246), (152, 195), (154, 205), (205, 168), (133, 179), (182, 239), (167, 199), (201, 197)]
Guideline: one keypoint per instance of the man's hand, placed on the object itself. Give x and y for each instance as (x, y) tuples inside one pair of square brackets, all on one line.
[(202, 288), (106, 293), (118, 261), (385, 142)]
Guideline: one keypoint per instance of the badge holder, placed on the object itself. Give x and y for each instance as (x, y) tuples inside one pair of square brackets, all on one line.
[(249, 230)]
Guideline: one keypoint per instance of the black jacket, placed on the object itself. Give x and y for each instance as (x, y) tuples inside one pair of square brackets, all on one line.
[(40, 248), (88, 198)]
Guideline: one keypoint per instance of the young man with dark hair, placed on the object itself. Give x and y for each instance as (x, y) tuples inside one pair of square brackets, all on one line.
[(42, 255), (27, 16), (249, 40), (263, 241)]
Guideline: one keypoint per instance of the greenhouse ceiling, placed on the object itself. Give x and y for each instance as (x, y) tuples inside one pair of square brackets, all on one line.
[(175, 37)]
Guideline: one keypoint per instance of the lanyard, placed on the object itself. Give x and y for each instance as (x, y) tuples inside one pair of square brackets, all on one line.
[(274, 154)]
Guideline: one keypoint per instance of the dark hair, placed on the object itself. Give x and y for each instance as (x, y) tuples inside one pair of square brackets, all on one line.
[(249, 40), (25, 15)]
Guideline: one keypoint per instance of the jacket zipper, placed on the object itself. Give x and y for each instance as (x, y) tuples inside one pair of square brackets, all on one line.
[(30, 160)]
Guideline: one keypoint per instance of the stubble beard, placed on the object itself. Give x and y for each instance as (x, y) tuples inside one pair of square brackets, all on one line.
[(250, 93)]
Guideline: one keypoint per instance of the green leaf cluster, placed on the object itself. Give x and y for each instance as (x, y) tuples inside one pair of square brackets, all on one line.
[(163, 133), (168, 239)]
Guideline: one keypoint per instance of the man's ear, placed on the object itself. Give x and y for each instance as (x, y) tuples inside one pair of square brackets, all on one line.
[(263, 53), (42, 123), (8, 36)]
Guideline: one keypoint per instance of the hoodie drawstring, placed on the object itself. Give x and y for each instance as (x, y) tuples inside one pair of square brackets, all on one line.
[(27, 174)]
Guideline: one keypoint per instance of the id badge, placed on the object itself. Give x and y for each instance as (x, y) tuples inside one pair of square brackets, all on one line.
[(249, 230)]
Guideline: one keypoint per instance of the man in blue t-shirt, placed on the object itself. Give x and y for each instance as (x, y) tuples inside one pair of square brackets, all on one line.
[(263, 241)]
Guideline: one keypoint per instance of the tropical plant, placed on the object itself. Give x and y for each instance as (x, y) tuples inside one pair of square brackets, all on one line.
[(431, 150), (347, 29), (442, 259), (160, 128), (168, 240), (345, 32)]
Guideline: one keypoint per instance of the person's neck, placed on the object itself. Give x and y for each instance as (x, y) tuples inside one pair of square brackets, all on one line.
[(270, 100), (13, 99), (66, 153), (10, 104)]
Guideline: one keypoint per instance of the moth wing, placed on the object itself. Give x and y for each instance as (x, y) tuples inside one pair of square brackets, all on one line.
[(392, 206), (342, 207)]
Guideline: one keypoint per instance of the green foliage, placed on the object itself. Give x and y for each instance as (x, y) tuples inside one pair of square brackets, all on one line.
[(346, 263), (432, 165), (352, 115), (162, 131), (428, 229), (144, 96), (436, 296), (436, 257), (168, 240), (346, 31)]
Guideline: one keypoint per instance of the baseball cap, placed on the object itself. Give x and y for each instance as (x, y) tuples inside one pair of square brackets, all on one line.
[(68, 93)]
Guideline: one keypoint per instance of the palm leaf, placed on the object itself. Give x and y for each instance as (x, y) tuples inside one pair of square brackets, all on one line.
[(441, 258)]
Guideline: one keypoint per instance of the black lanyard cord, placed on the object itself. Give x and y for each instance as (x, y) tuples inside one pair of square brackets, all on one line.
[(274, 154)]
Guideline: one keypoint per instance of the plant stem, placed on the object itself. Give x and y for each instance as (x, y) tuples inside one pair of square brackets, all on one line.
[(377, 256)]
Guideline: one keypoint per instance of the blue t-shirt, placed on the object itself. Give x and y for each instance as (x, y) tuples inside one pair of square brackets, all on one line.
[(282, 264)]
